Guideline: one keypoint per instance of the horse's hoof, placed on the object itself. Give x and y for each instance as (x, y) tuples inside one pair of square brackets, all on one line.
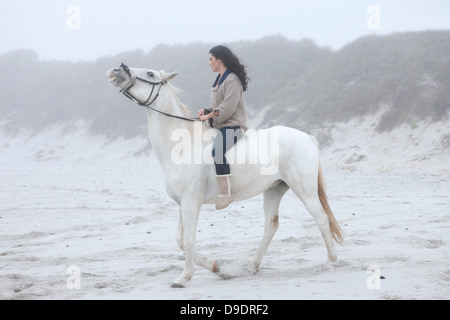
[(226, 276), (215, 267), (177, 286), (331, 263), (253, 269)]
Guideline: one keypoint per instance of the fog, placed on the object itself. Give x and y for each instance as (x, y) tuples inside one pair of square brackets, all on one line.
[(81, 188), (86, 30)]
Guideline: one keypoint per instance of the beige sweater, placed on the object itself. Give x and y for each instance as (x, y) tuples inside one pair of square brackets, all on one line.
[(228, 99)]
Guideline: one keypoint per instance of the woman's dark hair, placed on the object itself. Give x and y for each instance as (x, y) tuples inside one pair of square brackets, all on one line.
[(232, 62)]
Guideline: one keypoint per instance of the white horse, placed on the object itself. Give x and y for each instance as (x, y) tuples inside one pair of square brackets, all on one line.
[(183, 148)]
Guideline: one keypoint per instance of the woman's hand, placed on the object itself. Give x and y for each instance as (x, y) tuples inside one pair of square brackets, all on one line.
[(205, 118)]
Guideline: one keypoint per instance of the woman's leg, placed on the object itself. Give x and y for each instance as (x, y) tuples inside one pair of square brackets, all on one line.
[(225, 140), (218, 153)]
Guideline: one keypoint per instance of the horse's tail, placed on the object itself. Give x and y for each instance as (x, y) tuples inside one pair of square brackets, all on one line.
[(334, 225)]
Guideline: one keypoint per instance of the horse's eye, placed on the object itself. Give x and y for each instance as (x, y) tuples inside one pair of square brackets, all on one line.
[(150, 74)]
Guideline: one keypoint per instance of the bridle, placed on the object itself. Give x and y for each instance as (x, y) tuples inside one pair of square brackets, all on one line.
[(147, 104)]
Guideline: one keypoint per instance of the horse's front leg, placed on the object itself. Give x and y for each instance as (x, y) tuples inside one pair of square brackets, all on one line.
[(199, 259), (189, 214), (180, 232), (188, 230)]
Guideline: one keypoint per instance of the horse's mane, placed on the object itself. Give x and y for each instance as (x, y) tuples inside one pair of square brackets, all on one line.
[(177, 92), (186, 112)]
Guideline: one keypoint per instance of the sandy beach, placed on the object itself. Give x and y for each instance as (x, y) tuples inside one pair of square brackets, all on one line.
[(82, 218)]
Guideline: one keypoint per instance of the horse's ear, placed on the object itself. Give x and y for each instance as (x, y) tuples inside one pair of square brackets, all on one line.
[(169, 76)]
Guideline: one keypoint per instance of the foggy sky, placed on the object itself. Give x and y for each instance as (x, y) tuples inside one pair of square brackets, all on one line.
[(85, 30)]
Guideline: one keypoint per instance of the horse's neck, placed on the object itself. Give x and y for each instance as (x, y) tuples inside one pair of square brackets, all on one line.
[(161, 127)]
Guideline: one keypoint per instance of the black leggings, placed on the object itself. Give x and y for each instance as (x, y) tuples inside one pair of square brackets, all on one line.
[(224, 141)]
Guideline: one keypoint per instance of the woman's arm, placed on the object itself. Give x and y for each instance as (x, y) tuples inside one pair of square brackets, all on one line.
[(233, 93), (204, 117)]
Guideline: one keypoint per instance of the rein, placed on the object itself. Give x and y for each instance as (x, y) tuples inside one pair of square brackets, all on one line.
[(147, 104)]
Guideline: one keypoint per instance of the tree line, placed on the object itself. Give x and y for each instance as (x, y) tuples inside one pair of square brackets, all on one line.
[(297, 83)]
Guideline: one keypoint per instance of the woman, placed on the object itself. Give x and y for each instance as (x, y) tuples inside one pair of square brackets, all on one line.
[(227, 112)]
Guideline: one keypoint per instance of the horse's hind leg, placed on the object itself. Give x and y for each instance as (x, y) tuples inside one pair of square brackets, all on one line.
[(272, 199), (314, 207), (312, 203)]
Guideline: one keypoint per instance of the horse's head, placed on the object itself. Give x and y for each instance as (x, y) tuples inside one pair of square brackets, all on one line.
[(140, 85), (118, 76), (122, 75)]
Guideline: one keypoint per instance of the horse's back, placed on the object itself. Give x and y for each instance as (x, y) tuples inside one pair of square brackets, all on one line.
[(283, 139), (266, 157)]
